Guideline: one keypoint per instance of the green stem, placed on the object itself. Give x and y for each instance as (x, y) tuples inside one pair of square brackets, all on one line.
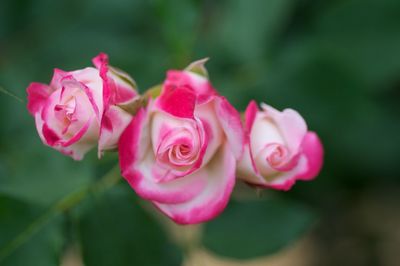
[(66, 203), (3, 90)]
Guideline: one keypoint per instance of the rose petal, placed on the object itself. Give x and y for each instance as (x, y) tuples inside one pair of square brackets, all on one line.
[(37, 96), (124, 86), (285, 180), (114, 122), (137, 162), (134, 141), (290, 124), (143, 179), (50, 136), (58, 74), (202, 87), (214, 133), (78, 136), (88, 81), (118, 87), (178, 101), (247, 169), (211, 201), (263, 133), (162, 123), (229, 119), (250, 115), (313, 150)]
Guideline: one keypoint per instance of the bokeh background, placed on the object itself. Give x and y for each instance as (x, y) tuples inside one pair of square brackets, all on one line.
[(336, 62)]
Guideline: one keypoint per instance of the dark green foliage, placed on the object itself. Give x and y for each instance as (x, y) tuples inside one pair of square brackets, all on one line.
[(117, 231), (256, 228), (22, 242)]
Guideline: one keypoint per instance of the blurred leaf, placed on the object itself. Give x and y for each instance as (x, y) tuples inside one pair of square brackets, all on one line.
[(117, 226), (41, 174), (41, 247), (256, 228), (365, 35), (248, 29), (179, 20)]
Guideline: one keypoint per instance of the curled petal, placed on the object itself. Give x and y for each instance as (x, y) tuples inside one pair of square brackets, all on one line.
[(168, 133), (142, 177), (70, 81), (290, 124), (285, 180), (138, 163), (279, 180), (213, 131), (78, 136), (219, 175)]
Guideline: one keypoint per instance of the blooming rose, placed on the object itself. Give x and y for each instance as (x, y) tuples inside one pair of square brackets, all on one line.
[(79, 109), (180, 151), (279, 150)]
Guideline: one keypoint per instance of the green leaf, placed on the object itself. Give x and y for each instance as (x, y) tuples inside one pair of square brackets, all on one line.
[(125, 77), (22, 242), (125, 234), (154, 91), (133, 106), (256, 228)]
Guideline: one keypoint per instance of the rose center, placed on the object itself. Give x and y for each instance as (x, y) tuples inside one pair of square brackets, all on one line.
[(65, 113), (179, 149), (278, 155)]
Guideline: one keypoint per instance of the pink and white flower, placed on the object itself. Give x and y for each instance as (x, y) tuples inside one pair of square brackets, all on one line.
[(180, 151), (279, 149), (79, 109)]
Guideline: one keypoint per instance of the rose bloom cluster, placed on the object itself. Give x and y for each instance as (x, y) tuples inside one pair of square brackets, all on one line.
[(181, 145)]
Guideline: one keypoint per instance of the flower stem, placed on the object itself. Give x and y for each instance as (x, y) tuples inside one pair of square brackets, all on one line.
[(110, 179), (3, 90)]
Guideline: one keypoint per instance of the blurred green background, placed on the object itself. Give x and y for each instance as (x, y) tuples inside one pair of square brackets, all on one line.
[(336, 62)]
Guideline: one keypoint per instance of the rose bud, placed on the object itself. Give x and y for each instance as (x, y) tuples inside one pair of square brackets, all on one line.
[(279, 149), (79, 109), (180, 151)]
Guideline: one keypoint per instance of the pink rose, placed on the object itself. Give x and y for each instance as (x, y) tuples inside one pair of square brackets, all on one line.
[(79, 109), (279, 150), (180, 151)]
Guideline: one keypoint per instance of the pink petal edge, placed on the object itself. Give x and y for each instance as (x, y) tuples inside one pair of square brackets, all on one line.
[(177, 101), (212, 200), (37, 96), (137, 160), (312, 148), (229, 119)]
